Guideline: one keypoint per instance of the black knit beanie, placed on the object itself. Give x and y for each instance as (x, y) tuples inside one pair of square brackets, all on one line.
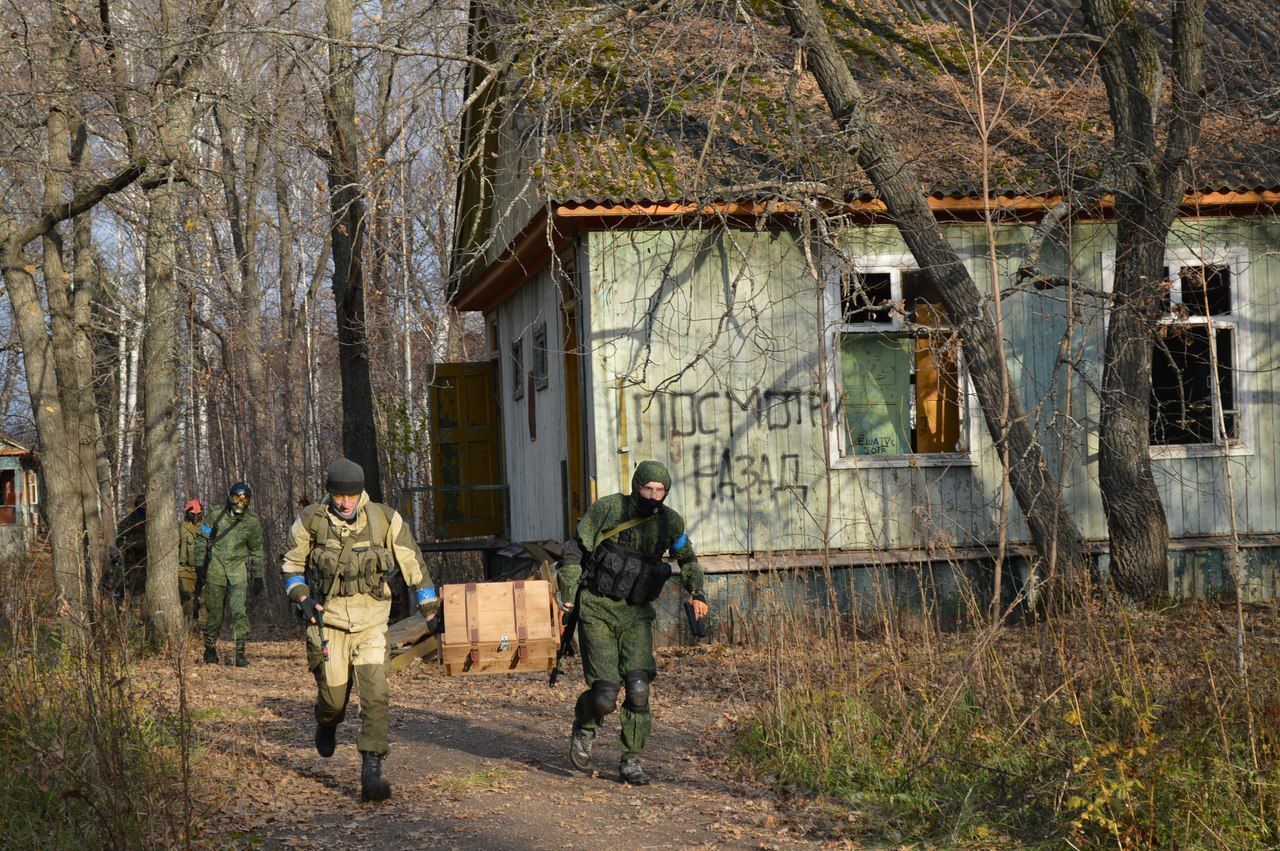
[(345, 477)]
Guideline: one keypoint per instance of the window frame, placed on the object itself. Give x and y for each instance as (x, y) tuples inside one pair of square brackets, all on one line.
[(516, 357), (1235, 258), (493, 340), (541, 366), (835, 326)]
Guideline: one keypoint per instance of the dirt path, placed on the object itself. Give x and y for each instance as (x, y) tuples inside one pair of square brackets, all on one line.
[(476, 763)]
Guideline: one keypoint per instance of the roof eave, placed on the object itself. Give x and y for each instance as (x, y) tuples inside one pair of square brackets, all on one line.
[(532, 248)]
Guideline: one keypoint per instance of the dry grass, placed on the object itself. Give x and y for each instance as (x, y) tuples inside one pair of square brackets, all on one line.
[(1111, 727), (88, 759)]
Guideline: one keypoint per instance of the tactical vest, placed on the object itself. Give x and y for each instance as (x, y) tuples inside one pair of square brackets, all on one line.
[(621, 573), (360, 566)]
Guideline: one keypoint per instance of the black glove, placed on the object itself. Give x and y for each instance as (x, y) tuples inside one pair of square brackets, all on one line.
[(256, 588), (435, 624), (312, 611)]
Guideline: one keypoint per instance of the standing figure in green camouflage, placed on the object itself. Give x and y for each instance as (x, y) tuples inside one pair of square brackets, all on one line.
[(616, 636), (228, 555)]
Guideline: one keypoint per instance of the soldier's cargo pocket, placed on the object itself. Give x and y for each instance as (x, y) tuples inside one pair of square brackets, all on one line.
[(315, 648)]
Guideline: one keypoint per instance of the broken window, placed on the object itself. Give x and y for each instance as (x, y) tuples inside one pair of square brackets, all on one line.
[(1193, 360), (899, 371), (517, 368)]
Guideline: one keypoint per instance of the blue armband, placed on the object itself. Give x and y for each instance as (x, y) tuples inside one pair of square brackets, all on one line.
[(426, 595), (206, 529), (681, 543), (292, 581)]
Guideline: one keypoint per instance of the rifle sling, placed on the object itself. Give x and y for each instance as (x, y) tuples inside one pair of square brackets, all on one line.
[(215, 536), (622, 527)]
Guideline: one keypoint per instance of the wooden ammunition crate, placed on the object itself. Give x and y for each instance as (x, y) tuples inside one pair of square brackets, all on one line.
[(499, 627)]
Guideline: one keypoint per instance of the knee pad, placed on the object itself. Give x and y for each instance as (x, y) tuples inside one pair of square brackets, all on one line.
[(637, 691), (604, 697)]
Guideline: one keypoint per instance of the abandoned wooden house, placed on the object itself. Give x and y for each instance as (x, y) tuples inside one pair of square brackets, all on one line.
[(664, 273), (19, 495)]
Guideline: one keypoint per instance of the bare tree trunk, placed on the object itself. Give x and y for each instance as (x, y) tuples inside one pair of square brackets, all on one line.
[(312, 454), (291, 334), (58, 427), (163, 308), (127, 416), (75, 407), (97, 527), (160, 389), (1053, 530), (359, 434), (1152, 186), (57, 449), (242, 213)]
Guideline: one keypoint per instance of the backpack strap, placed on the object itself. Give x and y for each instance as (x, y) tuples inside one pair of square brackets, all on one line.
[(215, 535), (316, 523), (378, 516)]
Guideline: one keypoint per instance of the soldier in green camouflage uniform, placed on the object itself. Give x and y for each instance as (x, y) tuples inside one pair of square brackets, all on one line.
[(616, 637), (228, 555)]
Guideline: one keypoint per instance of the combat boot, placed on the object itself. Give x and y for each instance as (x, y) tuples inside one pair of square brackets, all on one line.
[(211, 655), (242, 661), (630, 771), (373, 786), (326, 739), (580, 743)]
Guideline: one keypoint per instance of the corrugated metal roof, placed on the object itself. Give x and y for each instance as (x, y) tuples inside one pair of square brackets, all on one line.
[(9, 446)]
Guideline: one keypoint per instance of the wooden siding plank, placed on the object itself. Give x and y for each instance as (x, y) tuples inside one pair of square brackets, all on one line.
[(534, 466), (768, 323)]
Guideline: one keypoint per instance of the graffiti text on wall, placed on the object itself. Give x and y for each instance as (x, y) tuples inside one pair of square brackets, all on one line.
[(715, 420), (689, 414), (724, 475)]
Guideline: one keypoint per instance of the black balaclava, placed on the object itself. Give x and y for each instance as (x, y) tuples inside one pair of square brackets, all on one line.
[(649, 471)]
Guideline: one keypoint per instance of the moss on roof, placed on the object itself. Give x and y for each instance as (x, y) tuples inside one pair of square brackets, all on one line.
[(706, 98)]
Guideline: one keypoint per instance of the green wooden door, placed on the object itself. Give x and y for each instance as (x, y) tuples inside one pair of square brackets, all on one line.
[(466, 451)]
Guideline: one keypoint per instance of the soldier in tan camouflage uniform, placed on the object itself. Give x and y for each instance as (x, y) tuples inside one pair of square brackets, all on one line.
[(188, 583), (341, 552)]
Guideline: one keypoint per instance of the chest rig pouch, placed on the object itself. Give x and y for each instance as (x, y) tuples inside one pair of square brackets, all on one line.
[(621, 573), (359, 566)]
